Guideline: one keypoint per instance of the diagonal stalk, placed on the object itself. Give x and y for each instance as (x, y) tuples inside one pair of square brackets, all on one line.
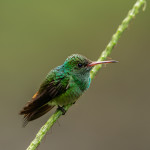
[(125, 23)]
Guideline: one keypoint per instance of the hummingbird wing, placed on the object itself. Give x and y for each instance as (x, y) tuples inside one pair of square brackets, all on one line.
[(55, 84)]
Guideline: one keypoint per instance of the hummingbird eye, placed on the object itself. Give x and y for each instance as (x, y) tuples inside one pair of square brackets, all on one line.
[(80, 65)]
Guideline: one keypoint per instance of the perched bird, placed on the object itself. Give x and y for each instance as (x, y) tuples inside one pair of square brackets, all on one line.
[(63, 85)]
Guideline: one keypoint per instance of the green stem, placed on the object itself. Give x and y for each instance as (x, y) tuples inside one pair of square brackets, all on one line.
[(125, 23)]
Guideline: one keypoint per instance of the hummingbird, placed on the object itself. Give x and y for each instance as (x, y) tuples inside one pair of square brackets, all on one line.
[(62, 86)]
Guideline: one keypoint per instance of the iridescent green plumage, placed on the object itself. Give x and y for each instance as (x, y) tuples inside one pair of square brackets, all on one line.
[(62, 86)]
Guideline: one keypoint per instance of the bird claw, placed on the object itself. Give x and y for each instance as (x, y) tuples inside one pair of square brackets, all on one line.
[(62, 110)]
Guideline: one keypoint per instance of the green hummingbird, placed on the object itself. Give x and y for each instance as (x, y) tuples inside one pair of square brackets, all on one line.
[(63, 85)]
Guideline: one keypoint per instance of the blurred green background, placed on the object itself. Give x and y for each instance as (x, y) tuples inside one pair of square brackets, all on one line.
[(36, 36)]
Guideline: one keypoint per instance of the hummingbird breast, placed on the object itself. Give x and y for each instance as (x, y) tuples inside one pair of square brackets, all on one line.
[(74, 91), (69, 97)]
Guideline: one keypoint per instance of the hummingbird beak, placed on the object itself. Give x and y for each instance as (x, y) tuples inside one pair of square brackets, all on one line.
[(102, 62)]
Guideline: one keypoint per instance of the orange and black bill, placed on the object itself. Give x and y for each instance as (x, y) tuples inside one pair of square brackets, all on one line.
[(102, 62)]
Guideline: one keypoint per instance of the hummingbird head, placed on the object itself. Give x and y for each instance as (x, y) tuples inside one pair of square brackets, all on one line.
[(79, 65)]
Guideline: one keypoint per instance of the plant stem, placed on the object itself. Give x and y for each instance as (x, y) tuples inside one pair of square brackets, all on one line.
[(125, 23)]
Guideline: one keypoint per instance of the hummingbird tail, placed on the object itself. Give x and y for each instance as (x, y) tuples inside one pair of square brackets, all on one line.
[(36, 114)]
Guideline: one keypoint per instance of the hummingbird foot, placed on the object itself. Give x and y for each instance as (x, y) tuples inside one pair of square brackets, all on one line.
[(62, 110)]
